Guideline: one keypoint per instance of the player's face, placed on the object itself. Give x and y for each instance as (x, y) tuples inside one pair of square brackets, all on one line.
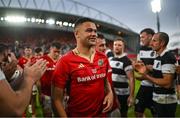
[(38, 55), (145, 39), (101, 45), (86, 34), (118, 47), (156, 43), (55, 52), (28, 51)]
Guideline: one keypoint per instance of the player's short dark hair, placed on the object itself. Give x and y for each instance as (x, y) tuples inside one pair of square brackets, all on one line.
[(101, 36), (27, 46), (38, 50), (56, 45), (148, 31), (81, 21), (121, 39), (164, 37)]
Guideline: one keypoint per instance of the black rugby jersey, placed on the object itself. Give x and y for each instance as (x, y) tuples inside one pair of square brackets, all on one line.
[(164, 63), (119, 67), (147, 55), (109, 54)]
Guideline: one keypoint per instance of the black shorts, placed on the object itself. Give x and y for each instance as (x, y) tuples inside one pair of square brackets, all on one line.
[(144, 99), (123, 103), (165, 110)]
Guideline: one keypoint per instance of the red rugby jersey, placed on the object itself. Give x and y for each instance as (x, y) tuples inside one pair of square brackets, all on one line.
[(46, 79), (23, 60), (87, 83)]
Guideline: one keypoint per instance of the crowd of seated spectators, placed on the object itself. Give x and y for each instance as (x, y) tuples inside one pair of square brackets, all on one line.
[(17, 40), (36, 38)]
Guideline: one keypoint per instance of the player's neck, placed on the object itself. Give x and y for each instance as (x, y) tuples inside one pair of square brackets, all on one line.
[(27, 56), (85, 50), (119, 54), (52, 57), (160, 50), (85, 53)]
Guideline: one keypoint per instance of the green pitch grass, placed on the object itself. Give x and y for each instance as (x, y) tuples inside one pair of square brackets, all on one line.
[(130, 111), (147, 112)]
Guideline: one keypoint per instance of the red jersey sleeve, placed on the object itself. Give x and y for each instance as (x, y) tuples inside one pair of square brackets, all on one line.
[(22, 61)]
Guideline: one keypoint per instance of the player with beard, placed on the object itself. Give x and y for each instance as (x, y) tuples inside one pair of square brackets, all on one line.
[(146, 55), (122, 76)]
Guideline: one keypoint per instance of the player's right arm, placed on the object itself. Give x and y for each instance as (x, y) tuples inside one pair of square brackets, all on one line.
[(13, 103), (57, 97)]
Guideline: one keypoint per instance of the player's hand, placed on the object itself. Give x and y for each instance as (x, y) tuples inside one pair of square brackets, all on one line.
[(130, 101), (108, 102), (140, 67), (35, 71), (9, 69)]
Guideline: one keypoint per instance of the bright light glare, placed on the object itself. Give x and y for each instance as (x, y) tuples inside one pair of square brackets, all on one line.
[(20, 19), (15, 19), (28, 19), (70, 24), (42, 20), (73, 25), (2, 18), (50, 21), (156, 5), (32, 20), (65, 23)]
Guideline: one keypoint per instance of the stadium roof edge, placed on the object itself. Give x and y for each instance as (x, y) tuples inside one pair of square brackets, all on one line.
[(103, 26), (64, 6)]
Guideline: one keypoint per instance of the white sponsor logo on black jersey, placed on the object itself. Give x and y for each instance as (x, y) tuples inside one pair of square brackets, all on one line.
[(157, 65)]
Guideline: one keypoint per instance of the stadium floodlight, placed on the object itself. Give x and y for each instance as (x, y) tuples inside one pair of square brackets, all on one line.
[(65, 23), (156, 8), (70, 24), (15, 19), (28, 19), (73, 25), (60, 23), (57, 22), (2, 18), (37, 20), (50, 21), (32, 20), (42, 20)]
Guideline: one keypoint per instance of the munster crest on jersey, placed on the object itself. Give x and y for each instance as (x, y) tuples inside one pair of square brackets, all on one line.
[(100, 62)]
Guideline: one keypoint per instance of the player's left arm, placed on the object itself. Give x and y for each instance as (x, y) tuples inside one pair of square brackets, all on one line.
[(165, 82), (108, 100), (130, 76)]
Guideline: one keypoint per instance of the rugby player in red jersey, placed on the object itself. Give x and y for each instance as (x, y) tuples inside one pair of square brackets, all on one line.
[(45, 81), (90, 94), (28, 56)]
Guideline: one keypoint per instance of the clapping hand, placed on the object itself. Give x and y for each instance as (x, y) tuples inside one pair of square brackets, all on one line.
[(35, 71), (139, 67)]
